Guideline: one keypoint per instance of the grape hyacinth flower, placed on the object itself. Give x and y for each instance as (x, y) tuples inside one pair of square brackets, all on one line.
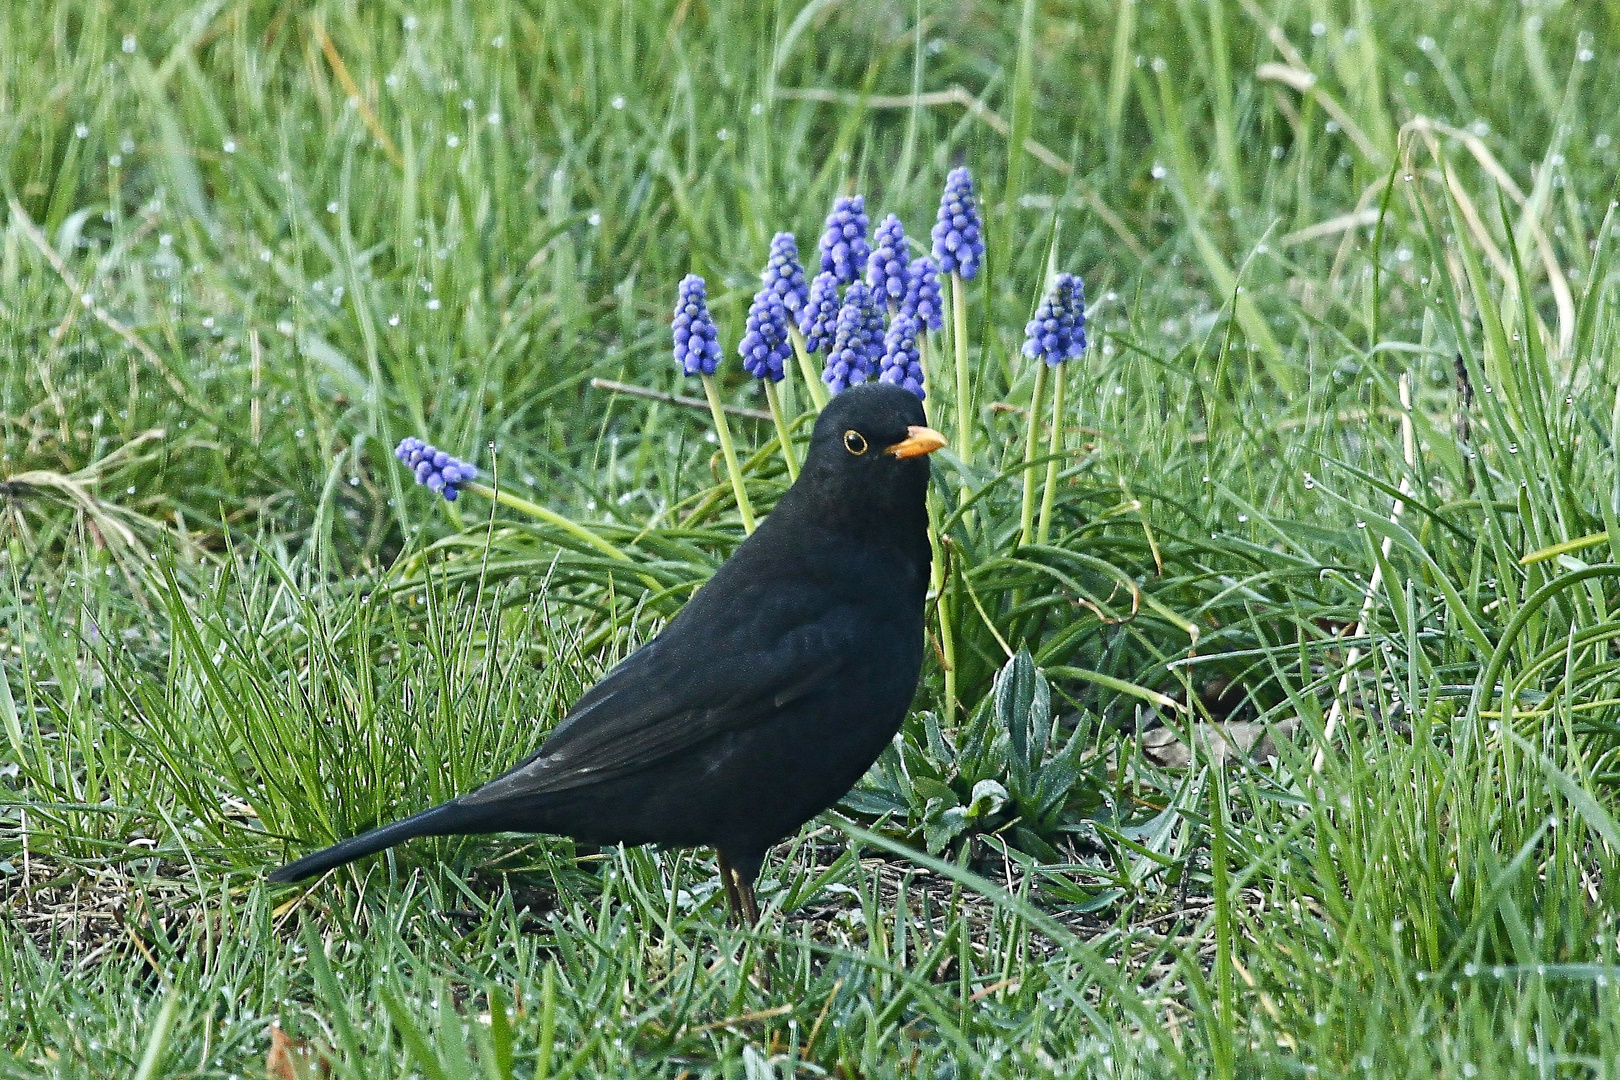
[(922, 294), (958, 247), (435, 469), (765, 349), (844, 249), (811, 329), (902, 363), (1056, 334), (959, 250), (876, 325), (764, 346), (446, 476), (697, 350), (783, 275), (697, 342), (853, 350), (887, 273), (819, 316), (1058, 330)]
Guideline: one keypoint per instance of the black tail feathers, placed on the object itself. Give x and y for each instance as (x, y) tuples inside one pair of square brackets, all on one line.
[(441, 820)]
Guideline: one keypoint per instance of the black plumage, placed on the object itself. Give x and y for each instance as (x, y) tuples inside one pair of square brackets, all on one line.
[(766, 698)]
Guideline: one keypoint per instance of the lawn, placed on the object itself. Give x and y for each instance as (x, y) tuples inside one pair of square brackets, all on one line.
[(1335, 476)]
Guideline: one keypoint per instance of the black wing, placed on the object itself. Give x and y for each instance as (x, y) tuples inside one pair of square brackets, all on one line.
[(711, 671)]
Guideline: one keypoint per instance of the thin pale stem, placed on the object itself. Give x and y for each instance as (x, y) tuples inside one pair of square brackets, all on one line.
[(723, 431), (775, 403), (549, 516), (1026, 519), (787, 393), (812, 380), (1054, 449), (936, 584), (930, 389), (964, 394), (947, 633)]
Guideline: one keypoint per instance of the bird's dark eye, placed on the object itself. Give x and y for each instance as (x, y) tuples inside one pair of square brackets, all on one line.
[(854, 442)]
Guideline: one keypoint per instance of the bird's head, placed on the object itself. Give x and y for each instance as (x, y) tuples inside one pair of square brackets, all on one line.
[(869, 454)]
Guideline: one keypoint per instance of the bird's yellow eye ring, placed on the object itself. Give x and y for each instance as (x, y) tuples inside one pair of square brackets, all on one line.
[(854, 442)]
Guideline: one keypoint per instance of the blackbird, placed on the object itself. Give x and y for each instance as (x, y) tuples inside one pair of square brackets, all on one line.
[(766, 698)]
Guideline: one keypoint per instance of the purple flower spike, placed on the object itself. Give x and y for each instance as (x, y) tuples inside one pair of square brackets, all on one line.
[(1058, 330), (783, 275), (887, 272), (764, 347), (922, 294), (435, 469), (958, 247), (853, 350), (844, 250), (697, 342), (819, 315), (876, 324), (902, 365)]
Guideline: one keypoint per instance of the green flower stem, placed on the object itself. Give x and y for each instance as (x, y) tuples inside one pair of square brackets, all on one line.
[(787, 393), (1054, 448), (947, 632), (812, 381), (1026, 519), (721, 429), (775, 402), (964, 396), (551, 517), (936, 583), (931, 401)]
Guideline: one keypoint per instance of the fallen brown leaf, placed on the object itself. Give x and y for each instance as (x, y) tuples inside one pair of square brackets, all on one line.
[(1221, 743), (293, 1059)]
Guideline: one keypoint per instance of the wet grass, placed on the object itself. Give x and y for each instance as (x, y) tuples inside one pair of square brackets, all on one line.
[(247, 248)]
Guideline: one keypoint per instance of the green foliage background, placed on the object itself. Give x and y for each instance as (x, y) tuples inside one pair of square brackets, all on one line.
[(247, 247)]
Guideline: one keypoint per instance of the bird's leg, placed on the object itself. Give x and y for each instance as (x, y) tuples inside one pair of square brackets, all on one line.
[(728, 878), (750, 908), (748, 915), (740, 887)]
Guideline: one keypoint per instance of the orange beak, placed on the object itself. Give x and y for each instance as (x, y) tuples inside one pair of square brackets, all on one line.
[(918, 441)]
